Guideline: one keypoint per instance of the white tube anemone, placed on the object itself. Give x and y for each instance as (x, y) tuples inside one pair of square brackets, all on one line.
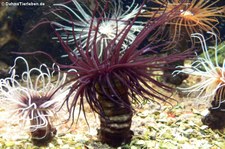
[(35, 99), (212, 74), (109, 26)]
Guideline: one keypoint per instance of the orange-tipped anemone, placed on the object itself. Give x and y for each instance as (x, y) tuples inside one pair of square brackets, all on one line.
[(196, 16)]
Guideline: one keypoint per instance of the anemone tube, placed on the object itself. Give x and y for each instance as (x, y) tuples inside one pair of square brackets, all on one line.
[(211, 88), (33, 101), (115, 128), (215, 118), (113, 82)]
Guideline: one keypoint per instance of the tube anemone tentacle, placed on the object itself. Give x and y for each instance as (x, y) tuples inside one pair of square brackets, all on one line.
[(33, 101)]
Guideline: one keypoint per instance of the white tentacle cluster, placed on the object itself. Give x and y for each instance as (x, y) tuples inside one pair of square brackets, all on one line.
[(109, 25), (212, 74), (35, 97)]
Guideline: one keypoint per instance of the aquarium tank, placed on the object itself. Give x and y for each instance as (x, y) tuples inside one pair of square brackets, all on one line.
[(112, 74)]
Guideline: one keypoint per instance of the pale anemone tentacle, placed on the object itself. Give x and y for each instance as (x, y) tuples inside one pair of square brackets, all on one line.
[(110, 26), (23, 96), (212, 74), (25, 75), (40, 77)]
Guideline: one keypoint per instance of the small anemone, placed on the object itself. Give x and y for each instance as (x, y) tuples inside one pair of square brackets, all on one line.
[(212, 74), (109, 22), (196, 16), (33, 98)]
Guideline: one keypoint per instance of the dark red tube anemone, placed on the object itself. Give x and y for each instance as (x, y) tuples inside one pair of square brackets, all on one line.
[(112, 82)]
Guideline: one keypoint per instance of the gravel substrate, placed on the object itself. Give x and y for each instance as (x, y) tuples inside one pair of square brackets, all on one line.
[(165, 128)]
